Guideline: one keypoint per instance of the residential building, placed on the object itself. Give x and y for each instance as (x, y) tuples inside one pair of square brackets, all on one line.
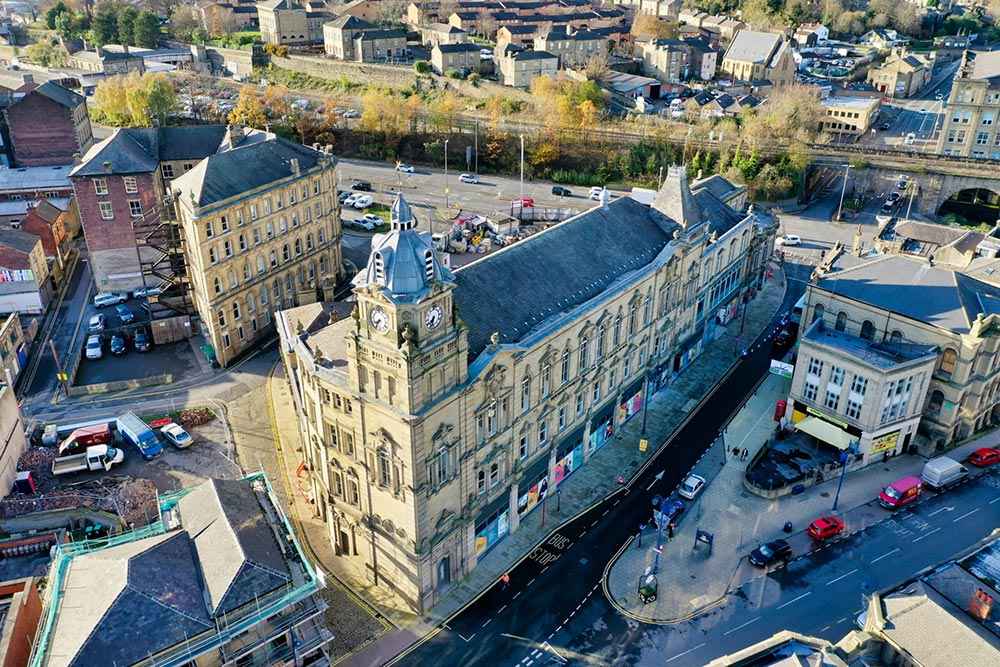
[(106, 63), (810, 35), (667, 60), (759, 56), (850, 116), (64, 133), (15, 442), (970, 116), (232, 586), (883, 38), (381, 46), (519, 67), (24, 273), (22, 605), (262, 231), (521, 36), (462, 58), (350, 38), (289, 23), (692, 17), (442, 33), (664, 8), (573, 47), (705, 105), (223, 17), (902, 74), (51, 223), (703, 58), (28, 183), (726, 27), (443, 410)]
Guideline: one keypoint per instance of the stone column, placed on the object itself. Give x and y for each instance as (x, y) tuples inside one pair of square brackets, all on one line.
[(515, 519)]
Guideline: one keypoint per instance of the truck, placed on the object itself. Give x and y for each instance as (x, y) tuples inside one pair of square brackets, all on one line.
[(942, 473), (98, 457), (138, 434), (88, 436)]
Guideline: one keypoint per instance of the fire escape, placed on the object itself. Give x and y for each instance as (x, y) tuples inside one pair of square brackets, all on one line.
[(160, 249)]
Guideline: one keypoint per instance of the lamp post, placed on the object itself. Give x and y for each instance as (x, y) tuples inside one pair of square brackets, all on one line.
[(522, 165), (658, 503), (446, 173), (659, 179), (912, 187), (843, 191), (477, 146), (843, 470)]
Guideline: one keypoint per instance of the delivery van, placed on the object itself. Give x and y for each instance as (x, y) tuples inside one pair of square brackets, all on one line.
[(88, 436), (942, 473), (901, 493)]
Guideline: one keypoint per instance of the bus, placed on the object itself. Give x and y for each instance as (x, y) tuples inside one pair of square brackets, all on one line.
[(797, 310)]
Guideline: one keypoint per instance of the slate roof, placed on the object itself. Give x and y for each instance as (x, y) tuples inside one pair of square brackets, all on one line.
[(523, 55), (675, 200), (372, 35), (985, 65), (18, 240), (279, 4), (948, 299), (928, 232), (717, 184), (513, 290), (223, 175), (35, 178), (753, 47), (349, 22), (721, 217), (60, 95), (465, 47), (526, 29)]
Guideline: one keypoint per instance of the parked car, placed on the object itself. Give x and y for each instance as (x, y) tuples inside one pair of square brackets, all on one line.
[(352, 113), (893, 197), (789, 239), (118, 345), (824, 527), (670, 510), (359, 223), (770, 552), (923, 110), (372, 218), (364, 186), (102, 299), (342, 196), (902, 183), (560, 191), (97, 323), (142, 342), (404, 168), (124, 313), (596, 192), (364, 201), (176, 436), (95, 349), (468, 178), (884, 126), (524, 202), (909, 138), (784, 340), (351, 198), (145, 292), (985, 456), (691, 487)]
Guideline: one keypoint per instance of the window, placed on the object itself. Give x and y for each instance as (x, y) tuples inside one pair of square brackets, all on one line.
[(832, 398), (218, 286), (282, 225), (243, 243), (597, 392), (612, 379), (481, 482), (233, 282), (209, 230), (253, 211), (546, 379), (295, 220), (543, 433), (645, 311), (617, 333), (841, 321), (298, 247), (810, 389), (818, 312), (100, 186), (309, 241), (224, 221), (815, 366), (187, 166), (135, 208), (947, 365), (384, 468), (167, 170), (935, 403), (131, 187), (562, 418), (982, 138), (221, 314), (564, 370), (601, 335), (213, 255), (225, 341), (251, 305), (631, 320), (583, 353), (494, 474), (522, 447), (868, 330), (236, 310), (227, 248), (107, 212), (267, 207), (270, 231), (263, 296), (353, 496), (525, 393), (256, 236), (281, 202), (274, 259)]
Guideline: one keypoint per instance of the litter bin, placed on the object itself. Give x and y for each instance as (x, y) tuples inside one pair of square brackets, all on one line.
[(788, 527)]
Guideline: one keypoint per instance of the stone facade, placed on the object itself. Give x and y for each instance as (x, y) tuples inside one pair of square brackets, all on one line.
[(16, 444), (757, 56), (970, 117)]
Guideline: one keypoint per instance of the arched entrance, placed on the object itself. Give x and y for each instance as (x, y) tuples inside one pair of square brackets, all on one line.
[(973, 206)]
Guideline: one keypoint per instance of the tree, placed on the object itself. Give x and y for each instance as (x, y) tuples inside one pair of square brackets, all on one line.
[(646, 24), (126, 25), (53, 12), (183, 24), (104, 28), (134, 100), (597, 67), (249, 109), (46, 55), (68, 26), (147, 29)]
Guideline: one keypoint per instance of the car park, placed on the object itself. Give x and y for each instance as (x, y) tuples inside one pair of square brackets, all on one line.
[(102, 299), (364, 201), (560, 191), (468, 178), (118, 345), (95, 349), (824, 527), (789, 239), (771, 552), (363, 186), (985, 456), (691, 487), (97, 323), (404, 168), (176, 436), (145, 292), (359, 223), (124, 313), (141, 341)]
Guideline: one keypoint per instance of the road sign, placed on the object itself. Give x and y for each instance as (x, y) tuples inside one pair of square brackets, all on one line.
[(643, 445)]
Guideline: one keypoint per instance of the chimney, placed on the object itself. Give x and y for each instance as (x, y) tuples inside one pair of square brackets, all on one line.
[(107, 166), (980, 605), (237, 133), (125, 49), (100, 51), (295, 166), (27, 78)]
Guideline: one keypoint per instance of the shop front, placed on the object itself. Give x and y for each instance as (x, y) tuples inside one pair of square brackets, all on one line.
[(689, 350), (533, 487), (602, 426), (493, 524), (632, 404), (827, 429), (569, 455)]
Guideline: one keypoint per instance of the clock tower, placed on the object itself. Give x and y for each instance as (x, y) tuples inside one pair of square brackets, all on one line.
[(410, 345)]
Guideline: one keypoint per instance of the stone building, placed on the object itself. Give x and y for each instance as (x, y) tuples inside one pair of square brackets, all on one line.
[(519, 67), (49, 126), (261, 229), (757, 57), (15, 442), (450, 404), (572, 47), (902, 74), (970, 117), (24, 273), (290, 23)]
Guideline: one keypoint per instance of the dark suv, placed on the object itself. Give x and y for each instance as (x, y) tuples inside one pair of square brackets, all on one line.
[(560, 191), (364, 186), (141, 341)]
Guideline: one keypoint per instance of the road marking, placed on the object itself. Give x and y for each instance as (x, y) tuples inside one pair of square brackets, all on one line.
[(843, 576), (685, 652), (466, 640), (824, 629), (535, 653), (886, 555), (529, 662), (502, 608), (737, 628), (807, 594), (530, 582), (486, 623), (994, 500), (964, 515), (551, 636), (543, 569), (943, 509), (516, 594), (926, 535)]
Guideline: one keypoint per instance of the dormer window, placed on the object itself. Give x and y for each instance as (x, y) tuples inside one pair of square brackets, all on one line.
[(379, 267), (429, 263)]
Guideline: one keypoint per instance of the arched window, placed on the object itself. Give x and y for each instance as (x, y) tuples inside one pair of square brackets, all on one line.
[(818, 312), (285, 254), (246, 271), (243, 243), (309, 241), (841, 321), (221, 314), (584, 344), (236, 310), (320, 236), (379, 266), (218, 285), (270, 230), (948, 359), (233, 282), (276, 289), (896, 336), (868, 330), (564, 370), (384, 468), (274, 259), (263, 296), (936, 402), (261, 264), (429, 263), (251, 305), (298, 247)]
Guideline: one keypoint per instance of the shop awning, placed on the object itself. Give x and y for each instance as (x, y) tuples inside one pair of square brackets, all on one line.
[(825, 431)]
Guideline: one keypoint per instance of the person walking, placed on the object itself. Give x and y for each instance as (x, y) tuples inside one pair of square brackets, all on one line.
[(642, 527), (506, 581), (736, 452), (745, 454), (670, 531)]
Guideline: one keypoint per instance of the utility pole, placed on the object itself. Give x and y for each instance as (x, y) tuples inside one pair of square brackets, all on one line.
[(522, 166), (843, 191), (446, 174), (477, 147)]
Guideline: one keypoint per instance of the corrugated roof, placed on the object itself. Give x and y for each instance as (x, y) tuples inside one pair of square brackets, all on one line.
[(753, 47)]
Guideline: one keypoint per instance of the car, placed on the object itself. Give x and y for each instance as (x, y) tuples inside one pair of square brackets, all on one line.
[(486, 52), (342, 196), (893, 198), (352, 113), (364, 201), (886, 209), (884, 126), (596, 192), (789, 239), (97, 323), (909, 138), (939, 97), (176, 436), (522, 202), (363, 186), (141, 341), (124, 313), (102, 299), (301, 105), (824, 527), (902, 184), (671, 509), (770, 552), (985, 456), (691, 487), (784, 340), (468, 178), (922, 110), (560, 191), (144, 292), (349, 201), (118, 345), (95, 349), (372, 218), (405, 168), (360, 223)]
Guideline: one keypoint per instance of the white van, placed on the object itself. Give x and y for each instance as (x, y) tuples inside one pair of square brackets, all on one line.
[(909, 139), (942, 473)]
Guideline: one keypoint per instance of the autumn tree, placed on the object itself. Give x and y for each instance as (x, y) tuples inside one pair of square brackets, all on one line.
[(597, 67), (791, 113), (249, 110), (135, 100), (46, 54), (646, 24)]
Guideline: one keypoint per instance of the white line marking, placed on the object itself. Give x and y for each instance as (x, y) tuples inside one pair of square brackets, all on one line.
[(886, 555), (825, 629), (530, 582), (739, 626), (535, 653), (487, 622), (543, 569), (685, 652), (552, 635), (502, 608), (926, 535), (964, 515), (806, 594), (843, 576), (467, 640), (943, 509), (529, 662), (995, 500), (515, 596)]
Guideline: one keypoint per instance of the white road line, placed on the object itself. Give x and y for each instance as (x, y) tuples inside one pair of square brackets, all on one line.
[(886, 555), (943, 509), (530, 582), (502, 608), (843, 576), (528, 664), (486, 623), (806, 594), (925, 535), (685, 652), (752, 620), (543, 569), (995, 500), (552, 635), (824, 629), (535, 653), (516, 594), (957, 519)]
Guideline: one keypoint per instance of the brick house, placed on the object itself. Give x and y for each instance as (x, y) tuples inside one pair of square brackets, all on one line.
[(48, 126), (51, 224), (24, 274)]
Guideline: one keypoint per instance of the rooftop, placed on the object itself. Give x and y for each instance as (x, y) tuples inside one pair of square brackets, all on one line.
[(18, 240), (861, 103), (980, 65), (35, 178), (881, 355), (753, 47)]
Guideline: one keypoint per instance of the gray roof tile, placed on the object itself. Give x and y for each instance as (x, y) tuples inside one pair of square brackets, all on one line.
[(753, 47), (18, 240)]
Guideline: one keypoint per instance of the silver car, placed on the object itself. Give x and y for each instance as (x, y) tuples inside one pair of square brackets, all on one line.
[(95, 350)]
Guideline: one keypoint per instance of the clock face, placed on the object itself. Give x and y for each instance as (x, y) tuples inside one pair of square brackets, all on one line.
[(379, 320), (433, 317)]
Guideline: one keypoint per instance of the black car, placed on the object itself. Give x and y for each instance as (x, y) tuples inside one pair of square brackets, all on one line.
[(784, 340), (342, 196), (142, 341), (560, 191), (118, 345), (770, 552), (364, 186), (884, 126)]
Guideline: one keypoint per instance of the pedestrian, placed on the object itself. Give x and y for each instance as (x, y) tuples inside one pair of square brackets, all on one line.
[(670, 531), (736, 452), (506, 580), (642, 527), (745, 454)]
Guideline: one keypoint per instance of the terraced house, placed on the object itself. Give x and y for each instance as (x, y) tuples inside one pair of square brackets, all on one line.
[(442, 410)]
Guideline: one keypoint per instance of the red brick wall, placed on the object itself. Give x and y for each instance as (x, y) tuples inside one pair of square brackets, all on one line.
[(35, 225), (112, 234), (42, 132), (25, 622), (14, 259)]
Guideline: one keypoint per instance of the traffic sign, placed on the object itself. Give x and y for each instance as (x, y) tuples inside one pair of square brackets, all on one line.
[(643, 445)]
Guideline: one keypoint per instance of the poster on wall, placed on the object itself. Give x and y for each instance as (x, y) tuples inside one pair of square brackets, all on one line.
[(630, 407), (600, 435), (492, 532), (536, 494), (569, 463), (884, 443)]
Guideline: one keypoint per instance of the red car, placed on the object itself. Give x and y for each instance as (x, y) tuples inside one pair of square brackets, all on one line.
[(986, 456), (825, 527), (526, 202)]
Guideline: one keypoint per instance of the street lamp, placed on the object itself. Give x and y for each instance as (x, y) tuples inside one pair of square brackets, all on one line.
[(446, 174), (844, 455), (522, 166), (658, 504), (843, 191)]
